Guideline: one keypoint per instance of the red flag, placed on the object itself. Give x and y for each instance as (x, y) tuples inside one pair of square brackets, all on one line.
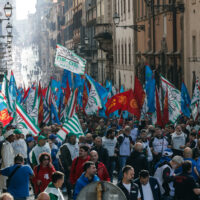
[(67, 93), (85, 97), (118, 102), (133, 105), (41, 113), (158, 111), (139, 93), (26, 93), (166, 110)]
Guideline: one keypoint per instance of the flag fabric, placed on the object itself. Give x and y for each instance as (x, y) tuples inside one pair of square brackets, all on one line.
[(94, 100), (150, 85), (85, 95), (46, 111), (56, 91), (139, 93), (158, 112), (54, 111), (23, 120), (30, 100), (174, 99), (166, 109), (5, 117), (68, 60), (71, 125), (41, 111), (70, 110), (185, 101), (48, 96), (195, 100)]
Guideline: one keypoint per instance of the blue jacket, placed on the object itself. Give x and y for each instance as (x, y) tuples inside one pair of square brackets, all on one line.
[(82, 182)]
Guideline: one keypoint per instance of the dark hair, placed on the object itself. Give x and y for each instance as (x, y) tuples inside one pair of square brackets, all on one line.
[(109, 132), (57, 176), (144, 173), (84, 147), (87, 165), (186, 166), (43, 155), (18, 158), (126, 169)]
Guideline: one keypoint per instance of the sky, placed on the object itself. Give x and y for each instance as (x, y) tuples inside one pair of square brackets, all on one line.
[(23, 7)]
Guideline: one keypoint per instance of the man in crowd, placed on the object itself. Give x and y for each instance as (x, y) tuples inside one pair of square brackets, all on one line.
[(165, 176), (137, 159), (19, 145), (77, 164), (102, 152), (109, 142), (89, 139), (185, 185), (87, 177), (130, 189), (67, 153), (6, 196), (101, 128), (102, 172), (18, 178), (7, 154), (149, 187), (41, 147), (43, 196), (124, 144)]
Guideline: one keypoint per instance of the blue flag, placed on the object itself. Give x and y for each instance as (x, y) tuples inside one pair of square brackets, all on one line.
[(185, 101), (150, 85), (56, 91), (66, 76), (77, 81)]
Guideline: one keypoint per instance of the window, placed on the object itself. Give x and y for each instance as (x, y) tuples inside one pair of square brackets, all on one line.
[(129, 6), (118, 54), (124, 6), (125, 54), (164, 25), (121, 7), (194, 47), (129, 50), (122, 54), (138, 9)]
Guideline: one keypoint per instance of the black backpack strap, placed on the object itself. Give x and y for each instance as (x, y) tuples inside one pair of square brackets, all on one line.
[(11, 175)]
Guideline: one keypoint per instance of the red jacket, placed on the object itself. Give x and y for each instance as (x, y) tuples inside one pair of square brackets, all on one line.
[(44, 174), (77, 169), (102, 172)]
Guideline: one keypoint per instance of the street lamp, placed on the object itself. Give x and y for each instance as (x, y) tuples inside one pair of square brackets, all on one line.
[(86, 40), (9, 39), (9, 28), (116, 19), (8, 10)]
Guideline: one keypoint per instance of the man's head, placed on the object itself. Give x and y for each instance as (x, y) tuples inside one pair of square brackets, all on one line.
[(193, 135), (144, 177), (94, 156), (127, 130), (128, 173), (138, 147), (9, 136), (83, 151), (98, 141), (101, 122), (41, 140), (89, 138), (6, 196), (18, 159), (17, 133), (187, 166), (43, 196), (158, 132), (143, 134), (176, 162), (89, 168), (72, 139), (187, 153), (178, 130), (110, 134), (47, 130), (58, 179)]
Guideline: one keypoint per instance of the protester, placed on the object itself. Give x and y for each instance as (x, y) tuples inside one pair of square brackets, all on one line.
[(67, 153), (77, 164), (18, 178), (149, 187), (101, 128), (130, 189), (41, 147), (89, 140), (43, 173), (7, 154), (102, 171), (87, 177), (53, 189)]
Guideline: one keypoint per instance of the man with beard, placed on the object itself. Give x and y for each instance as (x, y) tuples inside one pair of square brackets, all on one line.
[(86, 178), (109, 142), (67, 153)]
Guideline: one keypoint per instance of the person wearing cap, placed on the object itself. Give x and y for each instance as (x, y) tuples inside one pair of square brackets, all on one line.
[(19, 145), (165, 176), (30, 144), (7, 154), (41, 147), (67, 153)]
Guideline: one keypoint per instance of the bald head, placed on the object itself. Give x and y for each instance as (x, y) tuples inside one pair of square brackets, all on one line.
[(138, 147), (94, 156), (43, 196), (187, 153)]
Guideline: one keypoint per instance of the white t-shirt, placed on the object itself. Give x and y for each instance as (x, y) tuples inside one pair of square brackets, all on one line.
[(128, 187), (147, 192)]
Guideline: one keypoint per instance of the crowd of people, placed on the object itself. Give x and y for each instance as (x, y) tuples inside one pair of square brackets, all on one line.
[(146, 161)]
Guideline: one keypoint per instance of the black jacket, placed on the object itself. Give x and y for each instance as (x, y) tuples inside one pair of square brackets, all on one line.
[(138, 161), (154, 188), (133, 193)]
